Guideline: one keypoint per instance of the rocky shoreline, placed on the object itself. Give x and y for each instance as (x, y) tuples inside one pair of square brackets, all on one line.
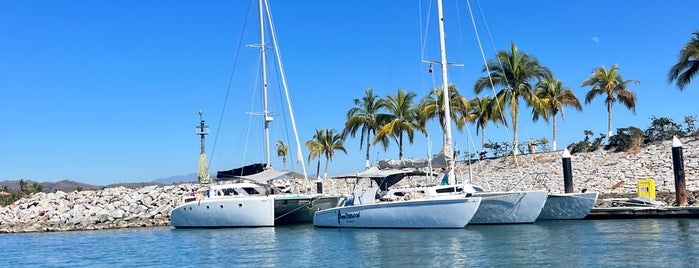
[(614, 175)]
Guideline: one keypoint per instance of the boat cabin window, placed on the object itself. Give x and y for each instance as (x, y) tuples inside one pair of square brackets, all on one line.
[(229, 191), (450, 190), (251, 191), (478, 189)]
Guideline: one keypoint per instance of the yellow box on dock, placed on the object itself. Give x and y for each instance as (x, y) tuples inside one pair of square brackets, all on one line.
[(646, 188)]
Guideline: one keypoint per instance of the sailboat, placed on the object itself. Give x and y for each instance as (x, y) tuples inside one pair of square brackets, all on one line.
[(424, 210), (248, 198), (241, 204), (496, 207)]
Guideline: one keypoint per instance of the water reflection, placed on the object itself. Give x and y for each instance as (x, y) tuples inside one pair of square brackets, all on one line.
[(601, 243)]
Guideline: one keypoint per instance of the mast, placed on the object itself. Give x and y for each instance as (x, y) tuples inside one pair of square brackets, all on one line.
[(447, 146), (265, 112)]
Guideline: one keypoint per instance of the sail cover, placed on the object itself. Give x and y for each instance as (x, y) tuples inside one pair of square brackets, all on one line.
[(203, 175), (439, 161), (241, 171)]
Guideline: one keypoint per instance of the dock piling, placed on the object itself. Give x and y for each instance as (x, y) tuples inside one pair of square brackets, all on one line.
[(678, 170), (567, 172)]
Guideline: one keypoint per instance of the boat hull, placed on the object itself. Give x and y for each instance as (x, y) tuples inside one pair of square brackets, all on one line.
[(290, 209), (254, 211), (509, 207), (569, 206), (423, 213)]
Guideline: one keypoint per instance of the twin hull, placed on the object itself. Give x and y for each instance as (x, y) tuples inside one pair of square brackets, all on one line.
[(509, 207), (568, 206), (289, 209), (423, 213)]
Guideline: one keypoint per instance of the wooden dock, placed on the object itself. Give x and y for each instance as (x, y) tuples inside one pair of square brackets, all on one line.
[(642, 212)]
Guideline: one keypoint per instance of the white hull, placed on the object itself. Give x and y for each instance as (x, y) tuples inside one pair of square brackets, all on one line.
[(509, 207), (253, 211), (298, 208), (572, 206), (422, 213)]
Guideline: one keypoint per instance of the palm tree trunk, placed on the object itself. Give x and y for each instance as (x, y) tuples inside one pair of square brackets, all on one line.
[(554, 132), (400, 146), (609, 119), (444, 132), (368, 145), (318, 168), (514, 129), (482, 139), (327, 161)]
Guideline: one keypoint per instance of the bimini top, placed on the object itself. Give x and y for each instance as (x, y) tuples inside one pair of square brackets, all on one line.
[(253, 172)]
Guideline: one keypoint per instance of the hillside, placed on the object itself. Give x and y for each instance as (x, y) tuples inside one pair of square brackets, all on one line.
[(69, 186)]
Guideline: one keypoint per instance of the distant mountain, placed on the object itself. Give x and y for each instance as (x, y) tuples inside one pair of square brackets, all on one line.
[(69, 186), (177, 179), (48, 187)]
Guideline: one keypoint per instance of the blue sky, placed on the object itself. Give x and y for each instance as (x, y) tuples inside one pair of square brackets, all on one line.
[(108, 91)]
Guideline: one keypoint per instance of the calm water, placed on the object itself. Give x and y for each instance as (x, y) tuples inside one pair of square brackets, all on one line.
[(601, 243)]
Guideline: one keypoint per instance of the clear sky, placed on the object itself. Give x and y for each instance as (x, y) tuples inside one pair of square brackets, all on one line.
[(109, 91)]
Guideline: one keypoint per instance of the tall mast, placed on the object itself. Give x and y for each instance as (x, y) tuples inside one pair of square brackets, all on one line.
[(448, 151), (265, 113)]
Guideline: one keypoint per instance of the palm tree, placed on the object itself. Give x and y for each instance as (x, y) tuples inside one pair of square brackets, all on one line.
[(325, 142), (23, 187), (555, 96), (484, 110), (687, 65), (513, 71), (36, 187), (315, 146), (363, 118), (282, 150), (402, 117), (610, 83), (432, 106)]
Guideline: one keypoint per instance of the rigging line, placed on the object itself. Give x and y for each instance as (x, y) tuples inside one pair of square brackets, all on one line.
[(251, 115), (393, 52), (230, 83), (485, 61), (284, 115), (299, 154), (492, 86), (490, 37), (424, 46), (423, 37)]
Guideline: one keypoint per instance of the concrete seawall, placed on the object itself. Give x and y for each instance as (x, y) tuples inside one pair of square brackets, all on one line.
[(611, 174)]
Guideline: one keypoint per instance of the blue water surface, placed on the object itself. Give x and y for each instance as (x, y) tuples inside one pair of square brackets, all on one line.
[(585, 243)]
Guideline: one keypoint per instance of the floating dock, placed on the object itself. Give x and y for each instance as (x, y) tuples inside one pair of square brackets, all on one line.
[(642, 212)]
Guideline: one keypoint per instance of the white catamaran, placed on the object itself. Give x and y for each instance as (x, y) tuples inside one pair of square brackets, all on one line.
[(248, 198)]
